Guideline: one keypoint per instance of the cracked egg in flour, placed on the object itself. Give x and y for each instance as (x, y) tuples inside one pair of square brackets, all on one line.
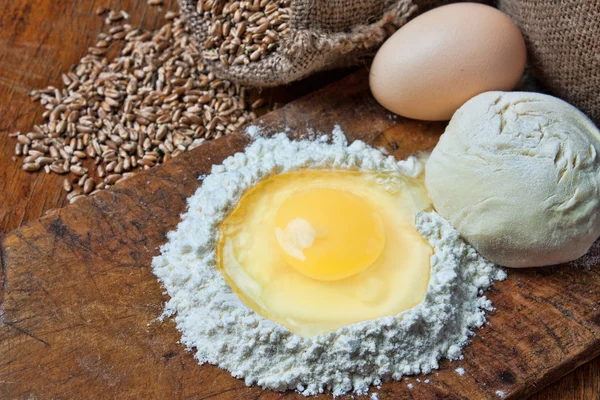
[(315, 250)]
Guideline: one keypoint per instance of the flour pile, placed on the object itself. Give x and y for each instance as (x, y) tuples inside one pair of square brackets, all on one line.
[(224, 331)]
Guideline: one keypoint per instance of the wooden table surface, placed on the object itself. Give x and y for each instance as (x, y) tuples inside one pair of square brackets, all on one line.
[(41, 39)]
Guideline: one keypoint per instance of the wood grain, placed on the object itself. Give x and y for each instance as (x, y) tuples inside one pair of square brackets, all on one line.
[(62, 332)]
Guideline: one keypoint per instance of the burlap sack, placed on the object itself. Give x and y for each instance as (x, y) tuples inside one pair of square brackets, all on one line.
[(563, 40), (324, 34)]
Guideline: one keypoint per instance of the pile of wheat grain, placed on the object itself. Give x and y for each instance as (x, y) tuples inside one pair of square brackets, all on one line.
[(243, 31), (115, 116)]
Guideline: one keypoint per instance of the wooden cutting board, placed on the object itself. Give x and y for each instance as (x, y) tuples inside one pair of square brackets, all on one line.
[(80, 302)]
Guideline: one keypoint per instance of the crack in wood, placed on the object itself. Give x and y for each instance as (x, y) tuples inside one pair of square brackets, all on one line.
[(3, 278), (23, 331)]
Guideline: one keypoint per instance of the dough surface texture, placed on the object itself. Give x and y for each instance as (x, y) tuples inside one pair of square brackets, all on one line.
[(518, 175)]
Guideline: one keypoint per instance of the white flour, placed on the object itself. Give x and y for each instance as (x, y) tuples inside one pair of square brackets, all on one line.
[(223, 331)]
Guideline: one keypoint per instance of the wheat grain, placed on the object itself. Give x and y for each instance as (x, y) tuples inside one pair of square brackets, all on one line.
[(140, 109)]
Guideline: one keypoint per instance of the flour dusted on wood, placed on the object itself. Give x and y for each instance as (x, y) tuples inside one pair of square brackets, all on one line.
[(223, 331)]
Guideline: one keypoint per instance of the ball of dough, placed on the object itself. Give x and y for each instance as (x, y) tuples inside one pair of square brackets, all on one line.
[(518, 175)]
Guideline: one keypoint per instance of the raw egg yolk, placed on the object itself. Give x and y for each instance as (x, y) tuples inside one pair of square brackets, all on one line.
[(328, 234), (315, 250)]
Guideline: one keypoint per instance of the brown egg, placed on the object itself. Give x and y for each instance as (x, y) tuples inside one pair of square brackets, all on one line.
[(442, 58)]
